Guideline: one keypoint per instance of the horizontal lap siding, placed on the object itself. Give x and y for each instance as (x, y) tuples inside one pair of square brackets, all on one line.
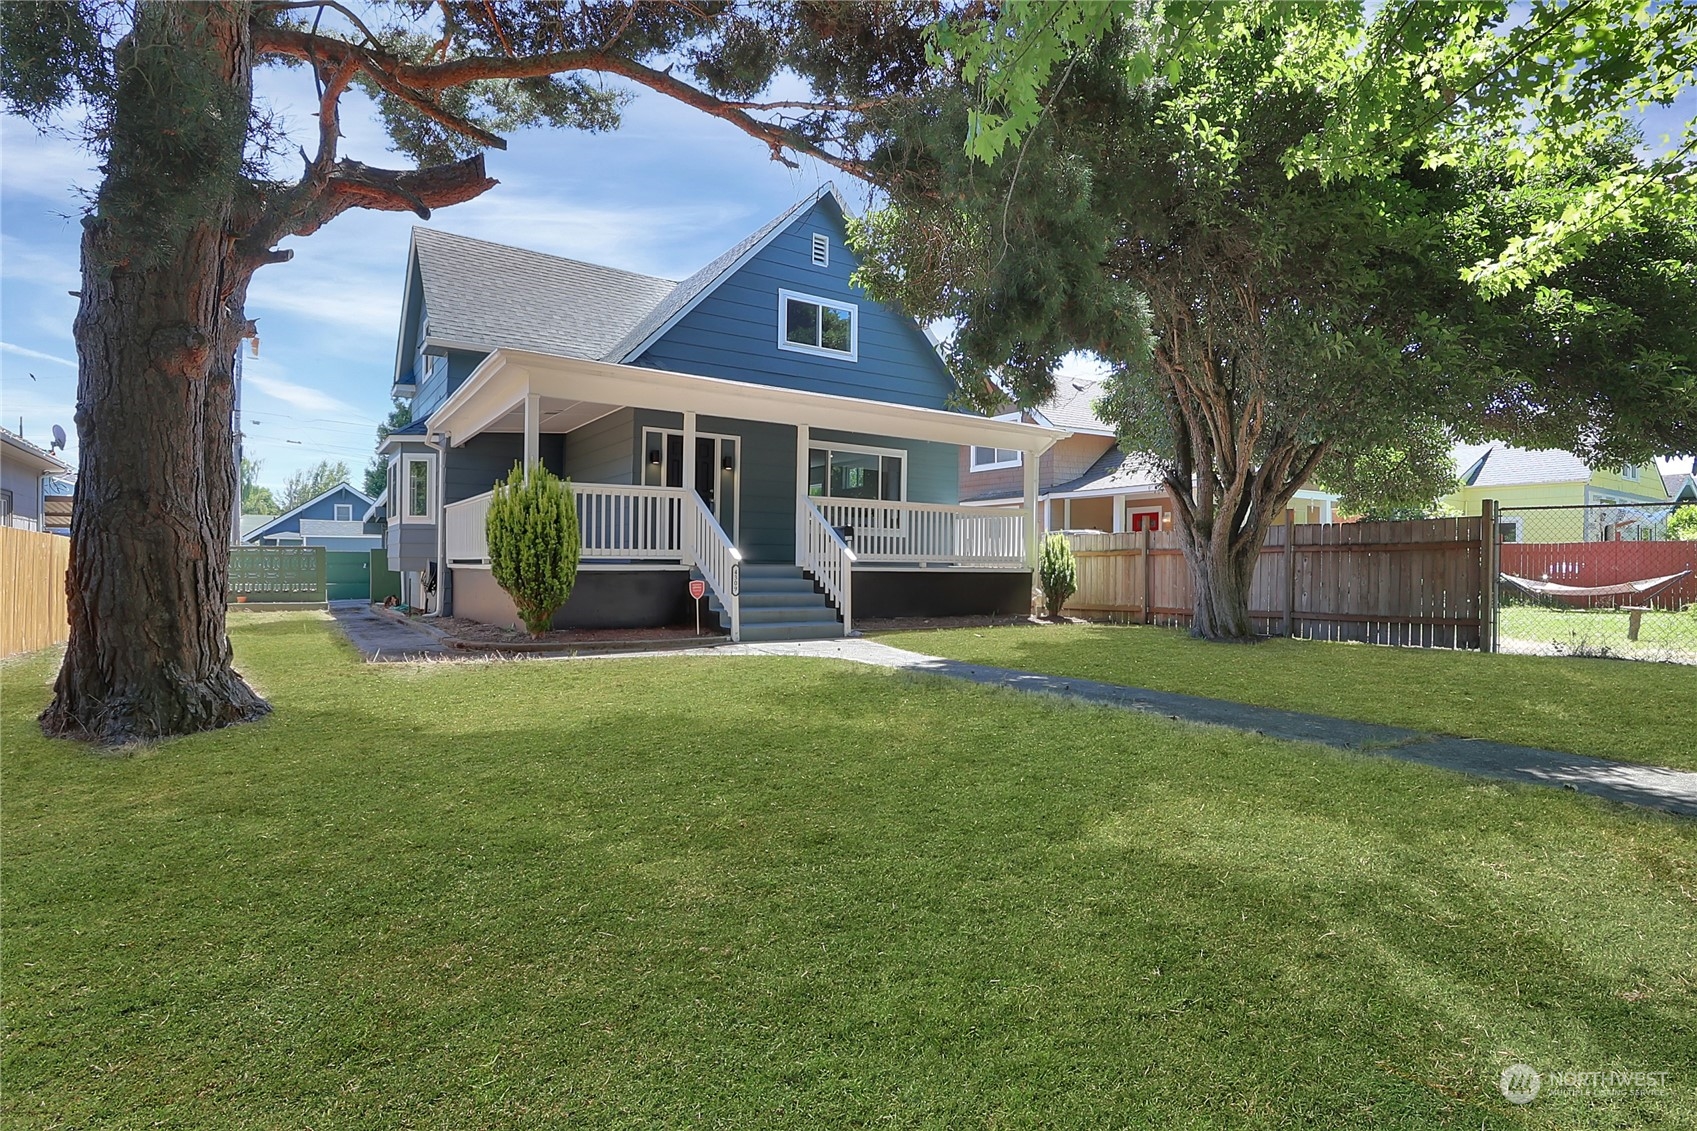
[(733, 333), (603, 451), (439, 388), (486, 460)]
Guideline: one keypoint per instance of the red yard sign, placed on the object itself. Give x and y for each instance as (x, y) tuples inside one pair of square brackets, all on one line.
[(697, 589)]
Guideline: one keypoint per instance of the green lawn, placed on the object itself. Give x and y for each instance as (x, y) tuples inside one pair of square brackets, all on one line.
[(763, 892), (1663, 635), (1606, 708)]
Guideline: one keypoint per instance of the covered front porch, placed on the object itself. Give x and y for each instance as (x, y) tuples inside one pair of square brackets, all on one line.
[(680, 472)]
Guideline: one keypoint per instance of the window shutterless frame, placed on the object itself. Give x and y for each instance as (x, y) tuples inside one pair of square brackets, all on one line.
[(799, 305), (417, 484)]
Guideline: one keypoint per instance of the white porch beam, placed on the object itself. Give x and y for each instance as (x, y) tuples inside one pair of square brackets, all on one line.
[(466, 415)]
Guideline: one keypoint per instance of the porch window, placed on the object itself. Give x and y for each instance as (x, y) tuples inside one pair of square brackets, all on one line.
[(857, 473), (809, 324), (988, 459)]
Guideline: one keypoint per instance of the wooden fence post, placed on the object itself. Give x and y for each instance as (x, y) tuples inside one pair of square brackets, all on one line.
[(1290, 572), (1143, 559), (1490, 563)]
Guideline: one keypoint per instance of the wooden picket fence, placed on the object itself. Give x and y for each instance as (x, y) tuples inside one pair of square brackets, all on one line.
[(32, 589), (1420, 583)]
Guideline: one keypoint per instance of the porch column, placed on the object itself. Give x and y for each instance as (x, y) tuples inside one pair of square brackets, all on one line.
[(532, 430), (803, 440), (1066, 513), (689, 485), (1119, 514), (1031, 540)]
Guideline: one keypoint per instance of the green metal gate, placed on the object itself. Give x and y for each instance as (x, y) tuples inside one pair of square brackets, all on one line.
[(348, 573), (385, 582)]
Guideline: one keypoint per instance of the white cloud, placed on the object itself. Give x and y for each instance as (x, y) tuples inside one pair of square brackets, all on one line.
[(43, 166), (40, 263), (22, 352), (278, 388)]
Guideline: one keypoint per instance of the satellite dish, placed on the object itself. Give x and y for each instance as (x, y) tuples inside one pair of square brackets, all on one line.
[(58, 438)]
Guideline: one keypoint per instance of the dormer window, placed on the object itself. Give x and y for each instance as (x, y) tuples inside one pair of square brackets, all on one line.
[(821, 250), (810, 324)]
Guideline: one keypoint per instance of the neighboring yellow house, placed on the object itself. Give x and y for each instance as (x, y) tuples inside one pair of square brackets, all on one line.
[(1518, 478)]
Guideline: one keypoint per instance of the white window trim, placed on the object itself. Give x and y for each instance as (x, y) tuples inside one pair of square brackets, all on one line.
[(1517, 522), (815, 444), (405, 513), (1629, 472), (974, 465), (337, 509), (853, 354), (821, 250)]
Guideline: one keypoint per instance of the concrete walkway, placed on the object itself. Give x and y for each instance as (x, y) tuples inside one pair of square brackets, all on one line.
[(1673, 791), (383, 640)]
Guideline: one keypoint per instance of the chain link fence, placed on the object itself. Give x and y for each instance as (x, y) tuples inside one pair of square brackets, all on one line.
[(1602, 580)]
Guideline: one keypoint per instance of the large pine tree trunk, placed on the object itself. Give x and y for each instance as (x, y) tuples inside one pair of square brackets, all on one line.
[(159, 322)]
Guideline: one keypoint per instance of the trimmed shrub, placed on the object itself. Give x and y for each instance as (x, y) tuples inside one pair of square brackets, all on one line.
[(533, 543), (1057, 573)]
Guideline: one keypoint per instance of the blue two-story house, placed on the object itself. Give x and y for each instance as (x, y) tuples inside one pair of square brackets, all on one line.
[(762, 425)]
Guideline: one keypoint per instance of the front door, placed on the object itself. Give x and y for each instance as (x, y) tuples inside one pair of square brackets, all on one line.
[(717, 473)]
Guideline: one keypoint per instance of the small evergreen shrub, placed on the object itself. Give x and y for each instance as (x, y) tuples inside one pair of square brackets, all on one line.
[(1057, 573), (534, 544), (1683, 524)]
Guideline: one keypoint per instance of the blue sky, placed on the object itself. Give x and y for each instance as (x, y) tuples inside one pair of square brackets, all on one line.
[(662, 195)]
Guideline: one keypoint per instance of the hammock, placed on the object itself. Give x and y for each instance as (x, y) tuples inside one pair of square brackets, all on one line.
[(1622, 589)]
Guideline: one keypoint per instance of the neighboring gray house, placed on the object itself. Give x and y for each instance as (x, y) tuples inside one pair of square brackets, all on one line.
[(24, 474), (1682, 485)]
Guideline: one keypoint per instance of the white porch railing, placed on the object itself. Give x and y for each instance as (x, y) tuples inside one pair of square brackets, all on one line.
[(615, 522), (827, 557), (719, 561), (19, 522), (618, 523), (930, 533)]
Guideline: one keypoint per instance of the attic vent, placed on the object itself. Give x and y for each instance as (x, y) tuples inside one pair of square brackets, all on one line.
[(821, 250)]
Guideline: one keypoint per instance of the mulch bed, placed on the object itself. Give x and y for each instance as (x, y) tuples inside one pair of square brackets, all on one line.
[(872, 625)]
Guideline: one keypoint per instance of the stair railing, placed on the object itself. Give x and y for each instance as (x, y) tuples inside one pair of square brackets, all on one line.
[(719, 561), (828, 558)]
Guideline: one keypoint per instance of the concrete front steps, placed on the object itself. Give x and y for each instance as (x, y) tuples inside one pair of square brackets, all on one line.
[(779, 602)]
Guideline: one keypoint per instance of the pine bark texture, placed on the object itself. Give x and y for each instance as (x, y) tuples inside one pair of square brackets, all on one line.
[(160, 318)]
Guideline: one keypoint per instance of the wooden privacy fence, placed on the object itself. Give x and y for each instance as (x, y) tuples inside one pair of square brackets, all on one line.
[(32, 589), (1419, 583)]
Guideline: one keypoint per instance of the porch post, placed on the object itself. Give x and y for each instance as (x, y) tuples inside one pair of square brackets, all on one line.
[(1119, 514), (689, 486), (803, 440), (1031, 547), (532, 429)]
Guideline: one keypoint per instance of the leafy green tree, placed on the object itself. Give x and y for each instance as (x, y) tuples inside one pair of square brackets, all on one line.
[(256, 499), (1682, 524), (198, 192), (377, 471), (310, 482), (1271, 318), (534, 543), (1057, 573)]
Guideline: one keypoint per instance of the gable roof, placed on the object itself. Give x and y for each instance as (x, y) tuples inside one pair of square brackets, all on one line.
[(485, 296), (689, 293), (1675, 481), (1114, 470), (1499, 465), (335, 528), (261, 531)]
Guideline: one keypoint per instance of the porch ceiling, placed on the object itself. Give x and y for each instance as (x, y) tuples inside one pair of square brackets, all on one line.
[(577, 391)]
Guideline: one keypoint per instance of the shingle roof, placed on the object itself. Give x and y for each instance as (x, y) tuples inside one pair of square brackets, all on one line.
[(416, 428), (1071, 406), (46, 459), (703, 281), (1499, 465), (1113, 470), (1675, 481), (488, 295)]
